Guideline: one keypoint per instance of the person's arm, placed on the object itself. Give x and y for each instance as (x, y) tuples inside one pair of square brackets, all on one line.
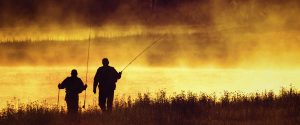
[(96, 81), (82, 86), (63, 84), (117, 74)]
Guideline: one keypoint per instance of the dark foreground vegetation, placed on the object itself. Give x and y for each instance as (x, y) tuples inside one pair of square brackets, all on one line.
[(182, 109)]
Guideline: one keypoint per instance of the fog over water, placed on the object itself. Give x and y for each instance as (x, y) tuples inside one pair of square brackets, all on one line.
[(226, 33)]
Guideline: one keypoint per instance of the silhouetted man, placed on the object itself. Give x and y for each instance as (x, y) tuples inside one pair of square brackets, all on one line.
[(73, 86), (106, 77)]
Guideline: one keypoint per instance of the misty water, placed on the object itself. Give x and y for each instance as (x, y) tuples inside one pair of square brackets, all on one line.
[(28, 84), (31, 71)]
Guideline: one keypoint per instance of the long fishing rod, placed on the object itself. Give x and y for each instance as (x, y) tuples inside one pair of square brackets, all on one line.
[(148, 47), (87, 65)]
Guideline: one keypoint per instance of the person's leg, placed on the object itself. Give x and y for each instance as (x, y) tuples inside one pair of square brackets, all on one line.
[(69, 107), (102, 100), (110, 100), (76, 99), (72, 104)]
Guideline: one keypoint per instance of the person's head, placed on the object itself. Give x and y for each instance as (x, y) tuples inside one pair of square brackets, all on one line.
[(74, 73), (105, 62)]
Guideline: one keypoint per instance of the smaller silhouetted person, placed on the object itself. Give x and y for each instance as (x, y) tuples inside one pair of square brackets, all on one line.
[(73, 86), (106, 78)]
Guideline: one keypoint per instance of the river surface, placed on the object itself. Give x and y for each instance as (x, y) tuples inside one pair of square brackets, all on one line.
[(28, 84)]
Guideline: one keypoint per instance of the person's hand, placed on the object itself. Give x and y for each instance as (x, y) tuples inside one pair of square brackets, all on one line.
[(85, 86)]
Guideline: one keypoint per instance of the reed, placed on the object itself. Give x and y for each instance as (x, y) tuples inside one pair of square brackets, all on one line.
[(185, 108)]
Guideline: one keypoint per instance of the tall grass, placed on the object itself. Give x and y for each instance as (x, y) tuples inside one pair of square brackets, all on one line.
[(232, 108)]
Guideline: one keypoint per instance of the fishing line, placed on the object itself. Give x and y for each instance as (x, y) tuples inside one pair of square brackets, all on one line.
[(148, 47)]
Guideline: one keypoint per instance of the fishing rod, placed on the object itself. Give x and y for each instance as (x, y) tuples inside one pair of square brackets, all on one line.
[(148, 47), (58, 98), (87, 65)]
